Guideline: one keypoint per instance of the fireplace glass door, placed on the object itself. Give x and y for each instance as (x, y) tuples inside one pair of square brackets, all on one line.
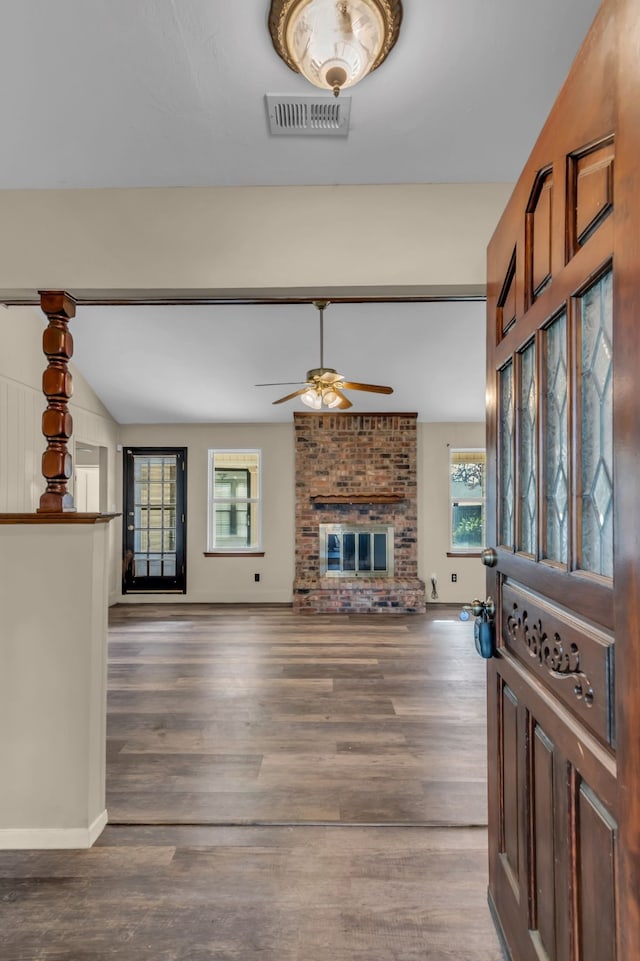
[(356, 550)]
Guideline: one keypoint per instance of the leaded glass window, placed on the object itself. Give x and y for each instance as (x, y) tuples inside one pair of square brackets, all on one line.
[(506, 480), (596, 459), (556, 490), (528, 445)]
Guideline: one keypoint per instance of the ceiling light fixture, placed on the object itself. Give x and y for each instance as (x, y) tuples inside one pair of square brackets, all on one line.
[(334, 43)]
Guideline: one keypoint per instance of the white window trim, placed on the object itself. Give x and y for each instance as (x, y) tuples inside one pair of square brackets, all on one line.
[(472, 501), (211, 501)]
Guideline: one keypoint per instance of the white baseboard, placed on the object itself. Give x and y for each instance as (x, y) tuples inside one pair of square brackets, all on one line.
[(14, 839)]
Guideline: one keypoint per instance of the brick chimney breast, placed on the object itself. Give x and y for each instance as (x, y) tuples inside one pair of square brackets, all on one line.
[(356, 469)]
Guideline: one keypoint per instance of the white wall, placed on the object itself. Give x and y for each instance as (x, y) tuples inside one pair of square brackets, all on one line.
[(22, 403), (278, 241), (434, 442), (231, 579), (53, 683)]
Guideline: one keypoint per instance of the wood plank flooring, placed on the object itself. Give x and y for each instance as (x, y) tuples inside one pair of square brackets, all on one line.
[(338, 731), (251, 894), (235, 715)]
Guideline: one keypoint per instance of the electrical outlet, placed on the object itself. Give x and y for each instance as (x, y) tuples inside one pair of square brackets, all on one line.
[(256, 578), (454, 578)]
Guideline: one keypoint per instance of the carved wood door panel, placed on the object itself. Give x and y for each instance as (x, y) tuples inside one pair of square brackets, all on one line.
[(563, 278)]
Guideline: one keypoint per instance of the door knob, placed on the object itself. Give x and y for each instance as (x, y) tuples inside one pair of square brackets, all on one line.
[(485, 609), (489, 557), (130, 527)]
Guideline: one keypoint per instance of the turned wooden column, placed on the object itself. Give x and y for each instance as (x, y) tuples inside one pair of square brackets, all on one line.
[(57, 386)]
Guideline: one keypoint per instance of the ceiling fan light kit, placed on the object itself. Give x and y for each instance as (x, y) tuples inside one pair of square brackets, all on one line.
[(334, 43), (324, 386)]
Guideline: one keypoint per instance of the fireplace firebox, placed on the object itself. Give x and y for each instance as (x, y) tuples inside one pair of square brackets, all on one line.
[(356, 550)]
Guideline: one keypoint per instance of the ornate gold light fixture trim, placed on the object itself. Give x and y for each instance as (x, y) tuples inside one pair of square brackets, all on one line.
[(334, 37)]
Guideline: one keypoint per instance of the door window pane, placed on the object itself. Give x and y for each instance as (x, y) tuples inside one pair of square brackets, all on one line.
[(154, 536), (555, 441), (596, 469), (506, 495), (528, 446)]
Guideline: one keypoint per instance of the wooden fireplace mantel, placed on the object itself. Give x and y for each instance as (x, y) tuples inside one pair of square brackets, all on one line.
[(363, 497)]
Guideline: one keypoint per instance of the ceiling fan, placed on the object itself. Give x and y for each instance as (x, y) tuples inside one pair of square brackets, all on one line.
[(324, 386)]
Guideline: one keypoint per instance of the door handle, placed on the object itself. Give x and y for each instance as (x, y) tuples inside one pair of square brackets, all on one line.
[(489, 557), (130, 527), (479, 609), (484, 629)]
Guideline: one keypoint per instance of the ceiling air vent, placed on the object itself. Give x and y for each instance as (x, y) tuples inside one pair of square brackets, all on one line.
[(308, 116)]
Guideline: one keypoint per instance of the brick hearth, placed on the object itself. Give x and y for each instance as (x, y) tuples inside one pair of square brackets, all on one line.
[(367, 464)]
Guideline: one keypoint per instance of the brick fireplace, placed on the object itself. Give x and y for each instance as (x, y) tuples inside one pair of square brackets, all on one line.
[(356, 470)]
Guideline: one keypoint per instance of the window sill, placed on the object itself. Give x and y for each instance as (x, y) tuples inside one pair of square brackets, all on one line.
[(464, 553), (234, 553)]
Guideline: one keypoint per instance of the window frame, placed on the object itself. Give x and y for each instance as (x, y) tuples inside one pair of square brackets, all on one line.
[(212, 500), (471, 550)]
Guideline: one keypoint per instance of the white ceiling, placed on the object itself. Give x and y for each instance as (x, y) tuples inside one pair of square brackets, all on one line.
[(432, 354), (115, 93)]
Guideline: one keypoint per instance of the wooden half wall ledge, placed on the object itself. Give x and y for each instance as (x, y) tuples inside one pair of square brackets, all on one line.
[(62, 517)]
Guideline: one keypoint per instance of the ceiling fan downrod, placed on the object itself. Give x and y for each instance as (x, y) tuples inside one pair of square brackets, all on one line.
[(321, 304)]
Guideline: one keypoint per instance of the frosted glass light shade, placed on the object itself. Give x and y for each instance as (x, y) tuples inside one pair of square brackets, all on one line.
[(312, 399), (330, 398), (334, 43)]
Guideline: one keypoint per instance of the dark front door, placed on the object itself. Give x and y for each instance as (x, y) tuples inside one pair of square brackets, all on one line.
[(154, 519), (563, 415)]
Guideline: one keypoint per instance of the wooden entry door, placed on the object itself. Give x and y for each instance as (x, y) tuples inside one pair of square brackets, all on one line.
[(564, 451)]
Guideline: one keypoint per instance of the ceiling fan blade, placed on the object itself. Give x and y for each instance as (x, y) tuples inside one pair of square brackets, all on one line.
[(296, 393), (374, 388), (344, 400), (282, 383)]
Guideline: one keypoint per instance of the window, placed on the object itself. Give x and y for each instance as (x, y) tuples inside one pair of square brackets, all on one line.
[(234, 501), (466, 494)]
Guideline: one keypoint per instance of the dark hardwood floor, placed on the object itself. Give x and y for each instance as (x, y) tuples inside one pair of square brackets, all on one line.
[(223, 715), (275, 786)]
